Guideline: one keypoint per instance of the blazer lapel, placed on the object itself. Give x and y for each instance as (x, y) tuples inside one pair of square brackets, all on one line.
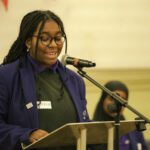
[(28, 85), (71, 88)]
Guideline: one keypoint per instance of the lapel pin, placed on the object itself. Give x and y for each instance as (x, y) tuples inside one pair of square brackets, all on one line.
[(29, 105)]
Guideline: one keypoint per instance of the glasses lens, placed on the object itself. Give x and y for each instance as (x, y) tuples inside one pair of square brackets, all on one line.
[(59, 40), (45, 39)]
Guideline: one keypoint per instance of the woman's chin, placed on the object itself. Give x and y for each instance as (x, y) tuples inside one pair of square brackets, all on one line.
[(49, 62), (113, 114)]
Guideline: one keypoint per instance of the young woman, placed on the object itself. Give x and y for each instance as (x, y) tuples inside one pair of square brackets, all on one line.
[(132, 140), (37, 93)]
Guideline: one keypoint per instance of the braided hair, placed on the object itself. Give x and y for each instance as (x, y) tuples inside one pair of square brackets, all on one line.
[(28, 26)]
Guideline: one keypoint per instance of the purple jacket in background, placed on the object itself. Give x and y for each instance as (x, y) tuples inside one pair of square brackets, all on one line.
[(132, 140)]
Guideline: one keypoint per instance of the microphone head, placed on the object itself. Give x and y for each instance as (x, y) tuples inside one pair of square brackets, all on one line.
[(66, 59), (112, 107), (63, 59)]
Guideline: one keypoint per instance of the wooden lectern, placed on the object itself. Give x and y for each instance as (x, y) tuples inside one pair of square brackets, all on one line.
[(81, 134)]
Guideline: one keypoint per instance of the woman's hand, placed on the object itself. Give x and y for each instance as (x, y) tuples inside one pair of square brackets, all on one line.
[(37, 134)]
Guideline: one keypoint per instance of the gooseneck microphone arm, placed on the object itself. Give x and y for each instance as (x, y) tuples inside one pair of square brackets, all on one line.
[(113, 95), (119, 100)]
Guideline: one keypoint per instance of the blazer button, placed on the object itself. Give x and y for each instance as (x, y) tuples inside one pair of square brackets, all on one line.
[(84, 114)]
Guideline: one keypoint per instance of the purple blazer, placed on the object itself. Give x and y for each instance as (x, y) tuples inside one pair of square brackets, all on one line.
[(131, 140), (17, 89)]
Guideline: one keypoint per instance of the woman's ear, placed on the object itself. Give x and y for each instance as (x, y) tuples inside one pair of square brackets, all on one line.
[(28, 43)]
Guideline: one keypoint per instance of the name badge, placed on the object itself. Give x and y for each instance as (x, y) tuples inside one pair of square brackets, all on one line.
[(44, 105)]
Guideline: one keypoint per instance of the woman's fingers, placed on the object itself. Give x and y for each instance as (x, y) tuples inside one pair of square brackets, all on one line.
[(36, 135)]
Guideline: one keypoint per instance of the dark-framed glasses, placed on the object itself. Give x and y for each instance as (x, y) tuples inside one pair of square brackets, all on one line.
[(47, 39)]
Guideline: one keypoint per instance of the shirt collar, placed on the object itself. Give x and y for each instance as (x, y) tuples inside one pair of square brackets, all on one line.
[(39, 68)]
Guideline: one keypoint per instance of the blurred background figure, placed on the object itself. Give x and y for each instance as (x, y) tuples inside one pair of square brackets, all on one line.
[(131, 141)]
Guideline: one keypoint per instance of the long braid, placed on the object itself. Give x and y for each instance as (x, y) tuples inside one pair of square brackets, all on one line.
[(19, 48)]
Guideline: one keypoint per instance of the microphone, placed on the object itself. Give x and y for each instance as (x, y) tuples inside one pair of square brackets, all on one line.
[(76, 62), (112, 107), (115, 106)]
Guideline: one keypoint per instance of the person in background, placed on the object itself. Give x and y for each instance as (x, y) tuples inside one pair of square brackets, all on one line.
[(133, 140), (37, 93)]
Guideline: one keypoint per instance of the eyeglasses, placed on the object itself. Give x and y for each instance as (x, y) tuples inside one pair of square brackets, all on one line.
[(47, 39)]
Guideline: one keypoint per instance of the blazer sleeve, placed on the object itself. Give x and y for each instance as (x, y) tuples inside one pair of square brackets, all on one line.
[(10, 135), (142, 140), (137, 137)]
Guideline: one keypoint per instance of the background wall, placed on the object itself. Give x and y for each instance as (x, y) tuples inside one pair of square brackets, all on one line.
[(113, 33)]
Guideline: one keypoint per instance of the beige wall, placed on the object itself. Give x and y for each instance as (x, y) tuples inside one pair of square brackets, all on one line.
[(113, 33)]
